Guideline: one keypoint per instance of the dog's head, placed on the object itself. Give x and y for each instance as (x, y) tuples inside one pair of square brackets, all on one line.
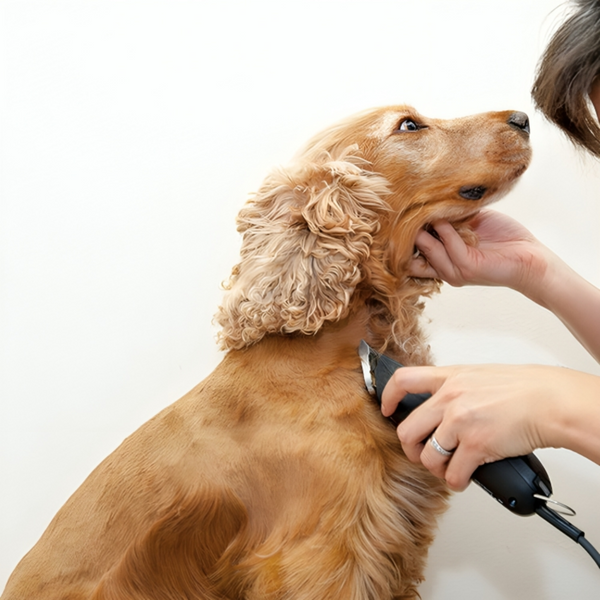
[(344, 215)]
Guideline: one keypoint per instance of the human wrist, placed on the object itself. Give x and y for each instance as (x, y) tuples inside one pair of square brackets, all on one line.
[(574, 300), (543, 278), (575, 419)]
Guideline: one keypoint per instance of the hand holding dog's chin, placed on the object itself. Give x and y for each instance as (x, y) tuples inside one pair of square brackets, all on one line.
[(506, 254)]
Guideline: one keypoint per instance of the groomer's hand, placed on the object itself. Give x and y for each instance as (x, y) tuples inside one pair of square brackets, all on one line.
[(484, 413), (507, 254)]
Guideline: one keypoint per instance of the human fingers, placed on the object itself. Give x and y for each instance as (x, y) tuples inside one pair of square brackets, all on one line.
[(419, 267), (458, 258), (460, 468), (437, 451), (417, 427), (415, 433), (414, 380), (436, 417), (432, 253), (445, 457), (446, 253)]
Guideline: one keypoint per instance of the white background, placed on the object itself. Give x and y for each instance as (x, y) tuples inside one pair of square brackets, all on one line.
[(131, 132)]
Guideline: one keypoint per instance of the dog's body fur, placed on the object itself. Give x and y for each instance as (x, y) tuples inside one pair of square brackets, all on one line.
[(277, 477)]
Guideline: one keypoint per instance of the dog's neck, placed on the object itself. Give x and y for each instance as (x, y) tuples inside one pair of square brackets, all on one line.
[(335, 344)]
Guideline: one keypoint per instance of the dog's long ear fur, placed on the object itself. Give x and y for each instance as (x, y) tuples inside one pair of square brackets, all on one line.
[(306, 234)]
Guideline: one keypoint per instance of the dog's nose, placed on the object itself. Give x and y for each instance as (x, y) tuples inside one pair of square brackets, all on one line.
[(519, 120)]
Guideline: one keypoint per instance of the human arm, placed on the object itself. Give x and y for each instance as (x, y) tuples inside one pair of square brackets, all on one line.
[(489, 412), (507, 254)]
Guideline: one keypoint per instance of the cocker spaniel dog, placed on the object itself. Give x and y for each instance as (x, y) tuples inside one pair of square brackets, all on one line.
[(277, 477)]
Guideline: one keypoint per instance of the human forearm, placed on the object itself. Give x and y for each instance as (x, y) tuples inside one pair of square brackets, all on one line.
[(575, 301), (575, 420)]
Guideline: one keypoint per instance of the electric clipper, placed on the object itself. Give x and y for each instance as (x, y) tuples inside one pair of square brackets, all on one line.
[(521, 483)]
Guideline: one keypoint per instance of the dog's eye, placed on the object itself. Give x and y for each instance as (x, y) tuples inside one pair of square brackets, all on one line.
[(408, 125)]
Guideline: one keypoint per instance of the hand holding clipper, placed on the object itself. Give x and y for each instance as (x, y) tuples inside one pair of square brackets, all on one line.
[(521, 483)]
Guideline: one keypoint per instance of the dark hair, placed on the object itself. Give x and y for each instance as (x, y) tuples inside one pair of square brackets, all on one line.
[(566, 72)]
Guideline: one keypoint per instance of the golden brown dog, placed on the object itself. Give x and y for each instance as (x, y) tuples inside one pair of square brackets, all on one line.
[(277, 477)]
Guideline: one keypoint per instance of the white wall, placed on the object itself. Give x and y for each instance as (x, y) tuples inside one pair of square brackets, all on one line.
[(131, 134)]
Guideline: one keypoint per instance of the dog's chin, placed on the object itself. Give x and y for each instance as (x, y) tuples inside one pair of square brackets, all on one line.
[(498, 192)]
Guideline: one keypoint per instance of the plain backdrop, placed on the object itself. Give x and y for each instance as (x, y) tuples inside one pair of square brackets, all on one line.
[(131, 133)]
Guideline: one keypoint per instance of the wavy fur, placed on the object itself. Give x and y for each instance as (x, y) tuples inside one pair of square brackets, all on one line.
[(306, 236)]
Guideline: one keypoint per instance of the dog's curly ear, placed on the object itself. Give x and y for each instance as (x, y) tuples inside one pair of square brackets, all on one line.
[(306, 234)]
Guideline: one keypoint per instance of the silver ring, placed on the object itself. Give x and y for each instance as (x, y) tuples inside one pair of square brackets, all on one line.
[(441, 450)]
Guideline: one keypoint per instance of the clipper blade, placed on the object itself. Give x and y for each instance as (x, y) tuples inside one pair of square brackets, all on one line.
[(368, 362)]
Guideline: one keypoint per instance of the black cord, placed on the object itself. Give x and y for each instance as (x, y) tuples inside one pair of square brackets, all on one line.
[(568, 529), (585, 544)]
